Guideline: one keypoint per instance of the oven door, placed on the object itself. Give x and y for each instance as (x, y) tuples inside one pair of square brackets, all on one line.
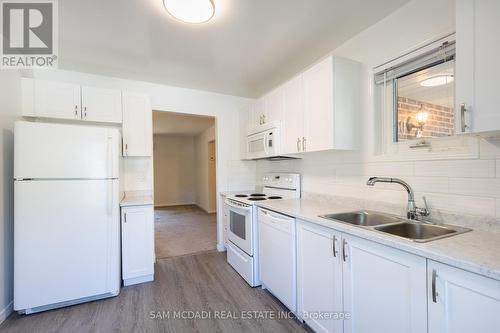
[(240, 226)]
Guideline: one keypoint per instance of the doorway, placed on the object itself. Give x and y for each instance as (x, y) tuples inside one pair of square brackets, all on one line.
[(184, 161)]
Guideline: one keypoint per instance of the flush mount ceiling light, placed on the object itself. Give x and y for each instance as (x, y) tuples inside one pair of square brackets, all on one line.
[(437, 80), (190, 11)]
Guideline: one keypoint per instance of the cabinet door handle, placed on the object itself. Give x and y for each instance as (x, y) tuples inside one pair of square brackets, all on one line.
[(85, 112), (126, 149), (463, 109), (263, 119), (334, 247), (76, 111), (298, 144), (303, 144), (434, 291), (260, 120), (344, 255), (125, 218)]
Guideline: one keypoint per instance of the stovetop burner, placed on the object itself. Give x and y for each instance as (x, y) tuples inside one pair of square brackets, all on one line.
[(257, 195), (275, 197), (241, 195), (256, 199)]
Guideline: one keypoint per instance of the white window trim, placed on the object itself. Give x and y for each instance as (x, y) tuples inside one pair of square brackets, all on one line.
[(454, 147)]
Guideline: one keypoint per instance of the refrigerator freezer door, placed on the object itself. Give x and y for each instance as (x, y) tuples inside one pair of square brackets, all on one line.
[(57, 151), (66, 241)]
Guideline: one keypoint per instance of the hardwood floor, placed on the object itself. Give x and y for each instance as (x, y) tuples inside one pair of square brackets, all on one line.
[(201, 282), (181, 230)]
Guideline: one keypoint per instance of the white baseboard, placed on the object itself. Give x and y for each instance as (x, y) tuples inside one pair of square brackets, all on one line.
[(138, 280), (221, 248), (205, 210), (6, 311)]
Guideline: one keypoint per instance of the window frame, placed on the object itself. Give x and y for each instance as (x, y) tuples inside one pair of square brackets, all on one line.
[(458, 146)]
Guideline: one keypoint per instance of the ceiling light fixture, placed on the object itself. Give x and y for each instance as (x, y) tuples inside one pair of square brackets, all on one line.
[(190, 11), (437, 80)]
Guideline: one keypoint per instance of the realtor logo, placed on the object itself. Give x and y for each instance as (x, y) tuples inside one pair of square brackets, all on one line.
[(29, 34)]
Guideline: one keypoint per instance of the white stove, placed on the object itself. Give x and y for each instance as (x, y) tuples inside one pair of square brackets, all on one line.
[(242, 232)]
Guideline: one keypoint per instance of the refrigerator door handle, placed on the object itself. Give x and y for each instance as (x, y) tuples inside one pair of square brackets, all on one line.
[(110, 166), (110, 197)]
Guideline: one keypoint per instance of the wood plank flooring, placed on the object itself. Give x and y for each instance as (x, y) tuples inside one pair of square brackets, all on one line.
[(201, 282)]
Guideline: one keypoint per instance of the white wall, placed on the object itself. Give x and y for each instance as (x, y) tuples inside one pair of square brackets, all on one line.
[(10, 109), (224, 108), (174, 170), (455, 189), (201, 153)]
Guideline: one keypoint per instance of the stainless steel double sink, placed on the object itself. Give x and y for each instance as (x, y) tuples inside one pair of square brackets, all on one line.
[(413, 230)]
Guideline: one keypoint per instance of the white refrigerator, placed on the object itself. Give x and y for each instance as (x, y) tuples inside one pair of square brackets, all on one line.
[(66, 215)]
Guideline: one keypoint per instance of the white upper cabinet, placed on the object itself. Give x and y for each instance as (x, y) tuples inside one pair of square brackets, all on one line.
[(274, 106), (101, 105), (477, 72), (330, 104), (316, 110), (460, 301), (384, 288), (51, 99), (137, 125), (293, 119), (259, 110), (318, 106), (266, 111)]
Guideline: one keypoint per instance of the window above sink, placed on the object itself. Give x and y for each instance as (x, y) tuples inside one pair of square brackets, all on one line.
[(414, 99)]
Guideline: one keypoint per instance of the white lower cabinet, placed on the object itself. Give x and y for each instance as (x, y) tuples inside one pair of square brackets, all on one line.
[(461, 301), (137, 244), (381, 289), (319, 277), (384, 288)]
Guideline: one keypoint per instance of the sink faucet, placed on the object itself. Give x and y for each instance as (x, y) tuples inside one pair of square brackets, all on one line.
[(413, 212)]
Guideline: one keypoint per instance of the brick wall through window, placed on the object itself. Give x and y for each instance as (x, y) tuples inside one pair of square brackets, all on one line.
[(440, 121)]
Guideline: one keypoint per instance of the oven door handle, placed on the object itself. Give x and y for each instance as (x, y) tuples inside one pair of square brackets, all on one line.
[(240, 208)]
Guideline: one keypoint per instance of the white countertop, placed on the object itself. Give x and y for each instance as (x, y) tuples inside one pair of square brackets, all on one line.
[(136, 200), (476, 251)]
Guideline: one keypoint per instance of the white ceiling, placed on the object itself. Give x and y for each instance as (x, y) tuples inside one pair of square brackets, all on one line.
[(249, 47), (169, 123)]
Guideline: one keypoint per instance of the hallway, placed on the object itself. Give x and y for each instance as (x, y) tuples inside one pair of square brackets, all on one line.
[(182, 230)]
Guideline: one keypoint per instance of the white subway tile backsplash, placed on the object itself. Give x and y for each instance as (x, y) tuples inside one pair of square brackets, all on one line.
[(489, 150), (463, 187), (390, 169), (483, 187), (349, 169), (456, 168), (429, 184), (134, 175), (459, 204)]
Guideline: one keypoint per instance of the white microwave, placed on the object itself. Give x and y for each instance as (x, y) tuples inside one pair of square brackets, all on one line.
[(264, 144)]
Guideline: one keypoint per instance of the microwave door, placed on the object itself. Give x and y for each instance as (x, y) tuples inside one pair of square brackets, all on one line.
[(256, 146)]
